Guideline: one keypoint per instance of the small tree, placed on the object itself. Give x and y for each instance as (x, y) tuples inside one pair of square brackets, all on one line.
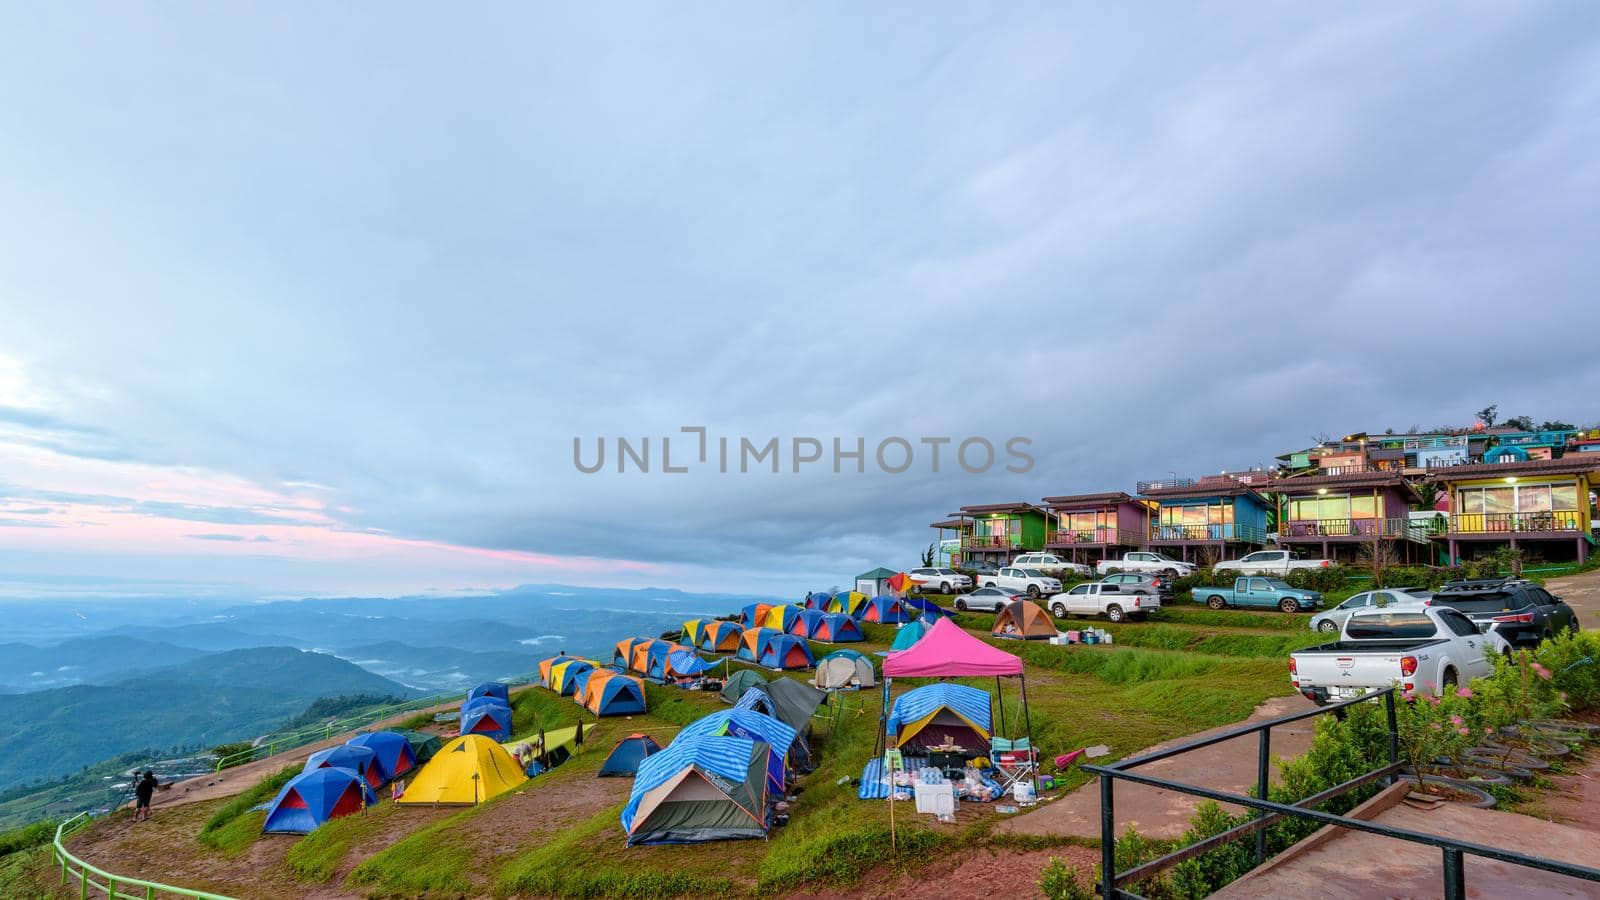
[(1380, 556), (1488, 414), (927, 555)]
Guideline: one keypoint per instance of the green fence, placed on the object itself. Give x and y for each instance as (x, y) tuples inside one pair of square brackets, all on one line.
[(273, 744), (115, 887)]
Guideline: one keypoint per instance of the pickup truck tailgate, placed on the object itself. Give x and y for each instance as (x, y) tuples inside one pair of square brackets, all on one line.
[(1351, 668)]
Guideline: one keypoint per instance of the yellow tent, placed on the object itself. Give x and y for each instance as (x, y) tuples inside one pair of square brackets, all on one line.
[(691, 632), (468, 770)]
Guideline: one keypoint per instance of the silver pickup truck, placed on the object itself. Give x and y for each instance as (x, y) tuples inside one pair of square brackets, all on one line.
[(1423, 650)]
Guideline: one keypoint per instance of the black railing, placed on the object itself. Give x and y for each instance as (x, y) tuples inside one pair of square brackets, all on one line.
[(1269, 812)]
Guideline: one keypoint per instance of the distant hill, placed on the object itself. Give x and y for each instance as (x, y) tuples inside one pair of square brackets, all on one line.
[(206, 700), (441, 668), (89, 660)]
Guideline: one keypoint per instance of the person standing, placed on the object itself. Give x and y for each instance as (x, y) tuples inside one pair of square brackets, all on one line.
[(143, 790)]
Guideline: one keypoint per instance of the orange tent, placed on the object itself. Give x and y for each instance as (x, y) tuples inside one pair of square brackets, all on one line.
[(1024, 620)]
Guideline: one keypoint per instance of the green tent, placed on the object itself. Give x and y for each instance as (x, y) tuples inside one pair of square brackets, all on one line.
[(423, 744), (739, 682)]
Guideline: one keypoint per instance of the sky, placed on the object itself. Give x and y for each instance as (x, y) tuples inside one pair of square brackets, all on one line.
[(299, 300)]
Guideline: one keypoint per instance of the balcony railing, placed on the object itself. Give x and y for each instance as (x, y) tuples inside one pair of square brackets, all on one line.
[(990, 541), (1537, 439), (1435, 443), (1144, 487), (1358, 528), (1066, 537), (1513, 523), (1247, 533)]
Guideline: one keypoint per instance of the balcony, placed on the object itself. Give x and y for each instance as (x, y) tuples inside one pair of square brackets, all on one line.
[(991, 541), (1068, 537), (1360, 529), (1196, 533), (1553, 523)]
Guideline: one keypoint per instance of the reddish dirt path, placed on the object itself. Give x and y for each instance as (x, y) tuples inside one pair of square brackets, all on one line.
[(979, 874), (1157, 813)]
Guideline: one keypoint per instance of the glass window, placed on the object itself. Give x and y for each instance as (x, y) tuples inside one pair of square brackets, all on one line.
[(1080, 590), (1390, 626), (1457, 622), (1355, 602), (1535, 498), (1472, 501), (1364, 507), (1499, 500), (1564, 496)]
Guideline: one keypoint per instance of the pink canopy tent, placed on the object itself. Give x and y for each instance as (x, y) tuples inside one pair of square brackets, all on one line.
[(948, 651)]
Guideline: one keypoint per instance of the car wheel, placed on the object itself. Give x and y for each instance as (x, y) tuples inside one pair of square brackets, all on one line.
[(986, 584), (961, 605), (944, 587), (1289, 606), (1033, 591), (1216, 602), (1114, 613), (1448, 680), (1170, 573), (1059, 611), (1572, 626), (1327, 626)]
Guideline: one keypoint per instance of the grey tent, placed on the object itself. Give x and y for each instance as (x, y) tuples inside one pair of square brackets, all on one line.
[(791, 703), (835, 672), (739, 682), (702, 788)]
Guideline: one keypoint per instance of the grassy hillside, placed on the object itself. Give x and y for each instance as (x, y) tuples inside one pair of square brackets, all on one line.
[(204, 701)]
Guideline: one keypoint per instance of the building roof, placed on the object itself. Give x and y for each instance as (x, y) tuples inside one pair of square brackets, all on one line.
[(877, 574), (1089, 499), (984, 508), (948, 523), (1208, 489), (1570, 464), (1307, 484)]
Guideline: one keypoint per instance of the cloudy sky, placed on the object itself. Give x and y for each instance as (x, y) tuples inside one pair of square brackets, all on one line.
[(300, 300)]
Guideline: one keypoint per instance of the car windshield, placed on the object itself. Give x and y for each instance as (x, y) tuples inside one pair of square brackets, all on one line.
[(1390, 626)]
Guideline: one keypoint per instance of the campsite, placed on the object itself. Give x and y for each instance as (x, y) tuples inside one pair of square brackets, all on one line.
[(561, 832), (737, 758)]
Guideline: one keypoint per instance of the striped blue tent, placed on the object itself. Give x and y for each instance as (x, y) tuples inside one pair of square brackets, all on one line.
[(687, 662), (758, 700), (940, 714), (747, 723), (670, 805)]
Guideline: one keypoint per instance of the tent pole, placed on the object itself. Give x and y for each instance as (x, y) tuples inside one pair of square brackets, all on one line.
[(1000, 701), (1028, 725)]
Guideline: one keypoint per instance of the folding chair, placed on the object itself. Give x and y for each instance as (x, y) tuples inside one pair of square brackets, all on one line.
[(1015, 759)]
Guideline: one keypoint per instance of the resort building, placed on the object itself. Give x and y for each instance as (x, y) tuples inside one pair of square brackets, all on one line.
[(996, 532), (1091, 527), (1541, 505), (1217, 515), (1336, 515)]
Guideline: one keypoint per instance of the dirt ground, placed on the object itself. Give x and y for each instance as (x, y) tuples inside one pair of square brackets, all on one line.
[(978, 875), (1582, 593), (1157, 813)]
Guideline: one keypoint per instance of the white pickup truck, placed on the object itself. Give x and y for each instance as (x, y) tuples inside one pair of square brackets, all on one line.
[(1032, 582), (1269, 562), (1423, 650), (1145, 561), (1114, 601)]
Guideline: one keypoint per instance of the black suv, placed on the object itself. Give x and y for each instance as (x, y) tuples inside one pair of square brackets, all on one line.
[(1520, 611)]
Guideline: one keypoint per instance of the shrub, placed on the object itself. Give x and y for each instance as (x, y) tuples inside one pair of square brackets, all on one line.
[(1326, 579), (1433, 727), (1060, 881), (234, 754), (34, 834), (1573, 660)]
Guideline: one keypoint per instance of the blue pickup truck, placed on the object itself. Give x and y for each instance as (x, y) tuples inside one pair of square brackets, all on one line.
[(1258, 591)]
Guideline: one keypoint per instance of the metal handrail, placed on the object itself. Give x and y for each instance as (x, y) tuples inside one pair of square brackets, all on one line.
[(1453, 850), (110, 883), (329, 729)]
